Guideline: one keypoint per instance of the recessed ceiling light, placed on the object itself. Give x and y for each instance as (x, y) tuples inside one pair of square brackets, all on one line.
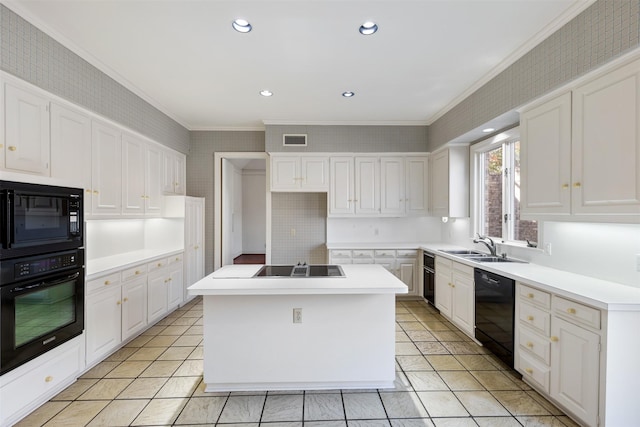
[(241, 25), (266, 92), (348, 94), (368, 28), (487, 130)]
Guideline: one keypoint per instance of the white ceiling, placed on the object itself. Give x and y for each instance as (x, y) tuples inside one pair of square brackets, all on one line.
[(183, 56)]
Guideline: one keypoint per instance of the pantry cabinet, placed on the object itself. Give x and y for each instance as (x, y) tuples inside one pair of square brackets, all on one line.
[(26, 126), (588, 140), (455, 293), (194, 242), (299, 173)]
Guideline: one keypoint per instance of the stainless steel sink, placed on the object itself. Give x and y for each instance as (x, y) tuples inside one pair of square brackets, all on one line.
[(464, 252), (489, 258)]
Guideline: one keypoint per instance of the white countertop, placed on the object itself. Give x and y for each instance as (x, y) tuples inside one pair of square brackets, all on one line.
[(239, 280), (100, 266), (379, 245)]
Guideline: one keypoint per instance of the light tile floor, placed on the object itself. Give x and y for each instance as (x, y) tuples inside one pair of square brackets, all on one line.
[(443, 379)]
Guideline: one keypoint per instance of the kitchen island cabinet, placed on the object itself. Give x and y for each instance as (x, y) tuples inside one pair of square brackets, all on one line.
[(344, 337)]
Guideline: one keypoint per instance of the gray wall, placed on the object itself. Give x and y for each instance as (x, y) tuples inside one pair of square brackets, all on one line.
[(28, 53), (306, 213), (350, 138), (200, 170), (602, 32)]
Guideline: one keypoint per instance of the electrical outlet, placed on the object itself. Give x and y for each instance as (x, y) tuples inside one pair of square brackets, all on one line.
[(297, 315)]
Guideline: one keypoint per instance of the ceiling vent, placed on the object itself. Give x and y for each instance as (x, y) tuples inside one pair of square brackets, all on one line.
[(294, 140)]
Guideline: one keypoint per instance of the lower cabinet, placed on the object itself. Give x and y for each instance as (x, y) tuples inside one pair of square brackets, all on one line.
[(455, 293), (558, 350), (402, 263)]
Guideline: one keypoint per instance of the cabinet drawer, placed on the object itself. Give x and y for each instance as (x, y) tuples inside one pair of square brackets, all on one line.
[(535, 296), (359, 254), (133, 272), (340, 254), (157, 265), (576, 312), (110, 280), (462, 268), (535, 372), (535, 318), (174, 259), (535, 344), (403, 253), (381, 253)]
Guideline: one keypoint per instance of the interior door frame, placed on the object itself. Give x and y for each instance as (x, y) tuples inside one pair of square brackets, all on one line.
[(217, 201)]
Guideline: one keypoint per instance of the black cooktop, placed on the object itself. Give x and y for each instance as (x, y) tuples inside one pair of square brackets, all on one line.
[(300, 271)]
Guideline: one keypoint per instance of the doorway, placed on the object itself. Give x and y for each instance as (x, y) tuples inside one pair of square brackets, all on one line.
[(242, 209)]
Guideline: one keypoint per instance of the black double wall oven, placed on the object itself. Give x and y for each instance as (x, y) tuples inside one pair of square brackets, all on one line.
[(41, 270)]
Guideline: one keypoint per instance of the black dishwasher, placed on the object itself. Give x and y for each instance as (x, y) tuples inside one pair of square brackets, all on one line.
[(495, 311), (429, 271)]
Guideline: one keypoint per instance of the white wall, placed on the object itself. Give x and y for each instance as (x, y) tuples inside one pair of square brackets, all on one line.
[(605, 251), (236, 214), (391, 230), (254, 224)]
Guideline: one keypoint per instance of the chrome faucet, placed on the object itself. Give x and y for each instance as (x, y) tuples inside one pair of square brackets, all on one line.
[(491, 244)]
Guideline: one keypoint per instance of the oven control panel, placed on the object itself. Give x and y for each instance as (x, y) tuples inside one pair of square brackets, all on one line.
[(19, 269)]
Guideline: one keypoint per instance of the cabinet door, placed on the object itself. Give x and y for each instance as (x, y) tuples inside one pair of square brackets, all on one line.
[(407, 273), (157, 295), (440, 183), (175, 285), (133, 174), (104, 322), (443, 290), (168, 172), (367, 186), (463, 301), (606, 144), (71, 148), (341, 191), (134, 307), (179, 186), (392, 196), (314, 173), (194, 249), (285, 173), (417, 185), (545, 157), (106, 171), (26, 131), (153, 181), (575, 367)]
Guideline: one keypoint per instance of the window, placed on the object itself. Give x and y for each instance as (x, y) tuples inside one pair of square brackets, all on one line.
[(497, 190)]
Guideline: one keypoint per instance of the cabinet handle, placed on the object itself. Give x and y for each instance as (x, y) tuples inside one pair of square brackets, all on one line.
[(143, 197), (126, 299), (196, 247), (107, 282), (12, 148), (48, 379), (530, 344), (177, 258), (119, 302), (571, 310), (530, 318), (529, 371), (96, 192), (554, 339), (530, 295), (88, 190), (565, 186), (159, 264), (577, 184)]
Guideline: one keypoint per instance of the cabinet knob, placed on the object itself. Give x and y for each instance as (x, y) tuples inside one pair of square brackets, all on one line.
[(565, 186), (143, 197), (196, 247), (530, 295), (96, 192), (48, 379), (12, 148), (137, 271), (554, 339), (529, 371), (571, 310), (119, 302), (577, 184), (88, 190), (107, 282), (159, 264), (126, 299), (530, 318), (177, 258), (530, 344)]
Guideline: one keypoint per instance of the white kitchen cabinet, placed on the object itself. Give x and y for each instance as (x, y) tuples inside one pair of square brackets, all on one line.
[(341, 192), (194, 242), (392, 186), (165, 286), (157, 297), (545, 157), (175, 284), (141, 177), (557, 350), (153, 180), (71, 148), (26, 126), (299, 173), (367, 186), (134, 307), (455, 293), (406, 268), (173, 177), (106, 171), (417, 185), (103, 322), (449, 173)]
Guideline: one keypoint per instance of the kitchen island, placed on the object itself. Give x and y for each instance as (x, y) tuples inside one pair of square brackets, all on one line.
[(287, 333)]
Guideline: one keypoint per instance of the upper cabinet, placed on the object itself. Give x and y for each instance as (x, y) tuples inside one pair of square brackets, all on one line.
[(378, 185), (581, 151), (173, 173), (141, 177), (299, 173), (26, 123), (106, 170), (449, 181), (71, 146)]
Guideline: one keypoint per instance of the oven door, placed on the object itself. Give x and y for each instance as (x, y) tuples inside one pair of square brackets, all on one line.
[(38, 315)]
